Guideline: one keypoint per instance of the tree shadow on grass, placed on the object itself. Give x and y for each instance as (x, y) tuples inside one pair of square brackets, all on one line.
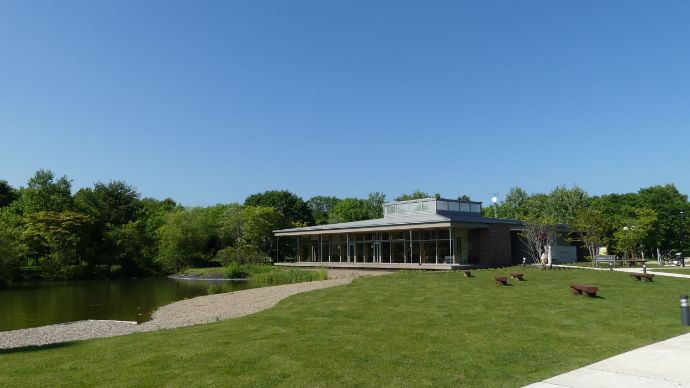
[(35, 348)]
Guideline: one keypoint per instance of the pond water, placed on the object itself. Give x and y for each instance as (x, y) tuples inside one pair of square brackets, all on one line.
[(32, 305)]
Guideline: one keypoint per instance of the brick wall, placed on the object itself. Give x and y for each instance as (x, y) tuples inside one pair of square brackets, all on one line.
[(494, 246)]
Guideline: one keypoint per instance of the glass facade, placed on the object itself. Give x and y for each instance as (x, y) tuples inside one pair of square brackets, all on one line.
[(413, 246), (431, 205)]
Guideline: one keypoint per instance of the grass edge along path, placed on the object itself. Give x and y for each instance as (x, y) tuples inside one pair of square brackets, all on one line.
[(411, 328)]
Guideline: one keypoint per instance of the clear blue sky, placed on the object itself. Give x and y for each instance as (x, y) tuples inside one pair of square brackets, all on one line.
[(209, 101)]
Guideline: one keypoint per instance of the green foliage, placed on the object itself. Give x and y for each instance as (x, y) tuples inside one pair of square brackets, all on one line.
[(633, 233), (417, 194), (57, 241), (590, 228), (667, 203), (563, 203), (464, 197), (285, 276), (515, 204), (355, 209), (321, 207), (293, 208), (7, 194), (350, 209), (44, 193), (559, 206), (184, 239), (374, 204), (213, 289), (241, 271), (12, 247)]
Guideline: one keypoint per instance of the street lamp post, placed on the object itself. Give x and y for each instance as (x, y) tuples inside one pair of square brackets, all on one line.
[(680, 237), (494, 201)]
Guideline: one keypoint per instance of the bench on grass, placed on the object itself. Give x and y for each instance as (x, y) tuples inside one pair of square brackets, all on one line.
[(468, 273), (648, 277), (578, 289), (502, 280), (516, 275)]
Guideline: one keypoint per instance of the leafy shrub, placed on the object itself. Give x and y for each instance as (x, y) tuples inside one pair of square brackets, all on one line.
[(285, 276), (229, 255), (213, 289), (236, 271)]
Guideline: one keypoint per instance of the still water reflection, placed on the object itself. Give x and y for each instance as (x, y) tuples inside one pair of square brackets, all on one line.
[(41, 304)]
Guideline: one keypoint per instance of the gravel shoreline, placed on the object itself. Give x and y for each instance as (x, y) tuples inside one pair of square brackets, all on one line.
[(195, 311)]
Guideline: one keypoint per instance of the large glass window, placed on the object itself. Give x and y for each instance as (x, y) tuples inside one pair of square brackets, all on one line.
[(475, 208), (416, 207), (453, 206), (441, 205)]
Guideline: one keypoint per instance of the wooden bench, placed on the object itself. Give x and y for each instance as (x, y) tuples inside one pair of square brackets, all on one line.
[(468, 274), (516, 275), (578, 289), (648, 277), (502, 280), (611, 259)]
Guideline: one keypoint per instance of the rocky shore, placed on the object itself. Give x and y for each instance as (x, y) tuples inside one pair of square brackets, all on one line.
[(195, 311)]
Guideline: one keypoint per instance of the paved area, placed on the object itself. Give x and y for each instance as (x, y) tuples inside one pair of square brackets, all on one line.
[(633, 269), (663, 364)]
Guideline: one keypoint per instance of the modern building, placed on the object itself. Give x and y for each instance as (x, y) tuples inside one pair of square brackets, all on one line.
[(425, 233)]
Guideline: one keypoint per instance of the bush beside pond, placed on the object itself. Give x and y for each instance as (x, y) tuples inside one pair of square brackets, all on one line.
[(261, 273)]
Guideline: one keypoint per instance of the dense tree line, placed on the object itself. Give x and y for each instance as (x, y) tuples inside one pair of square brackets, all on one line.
[(108, 230), (627, 224)]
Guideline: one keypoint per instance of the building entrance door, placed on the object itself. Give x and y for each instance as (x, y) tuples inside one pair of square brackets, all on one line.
[(377, 252), (351, 253), (314, 253)]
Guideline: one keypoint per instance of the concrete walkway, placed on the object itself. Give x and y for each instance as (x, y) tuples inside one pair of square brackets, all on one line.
[(633, 270), (663, 364)]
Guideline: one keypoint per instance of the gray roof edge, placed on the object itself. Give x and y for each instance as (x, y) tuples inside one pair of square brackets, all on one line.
[(397, 221)]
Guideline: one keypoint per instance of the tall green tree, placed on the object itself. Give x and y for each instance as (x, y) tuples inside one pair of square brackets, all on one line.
[(293, 208), (184, 239), (45, 193), (8, 194), (258, 223), (563, 203), (590, 227), (57, 240), (667, 202), (351, 209), (375, 203), (634, 232), (114, 208), (514, 206), (12, 247), (321, 207)]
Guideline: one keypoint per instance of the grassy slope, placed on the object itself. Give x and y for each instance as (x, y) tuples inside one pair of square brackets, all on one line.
[(433, 329)]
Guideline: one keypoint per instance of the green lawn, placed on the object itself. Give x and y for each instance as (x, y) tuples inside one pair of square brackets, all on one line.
[(407, 329)]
